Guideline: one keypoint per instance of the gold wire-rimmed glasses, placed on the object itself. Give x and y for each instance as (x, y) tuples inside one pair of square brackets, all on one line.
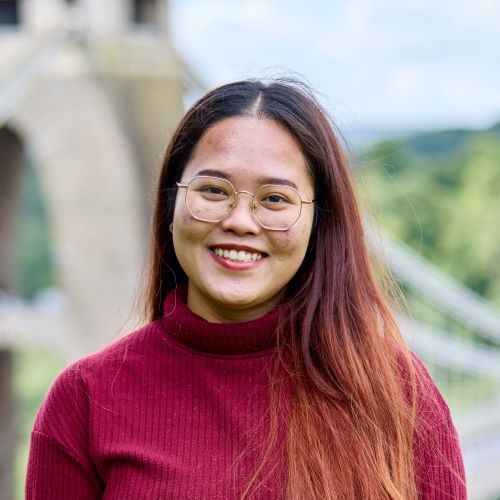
[(275, 207)]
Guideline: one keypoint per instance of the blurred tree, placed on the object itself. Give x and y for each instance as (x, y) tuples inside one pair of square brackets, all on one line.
[(439, 192), (33, 259), (11, 156)]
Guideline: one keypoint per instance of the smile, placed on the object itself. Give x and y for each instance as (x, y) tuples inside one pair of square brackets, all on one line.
[(236, 255)]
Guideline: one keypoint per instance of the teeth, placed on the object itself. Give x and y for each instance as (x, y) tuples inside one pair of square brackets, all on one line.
[(238, 255)]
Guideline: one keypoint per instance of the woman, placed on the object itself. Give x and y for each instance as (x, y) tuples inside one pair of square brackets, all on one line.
[(272, 366)]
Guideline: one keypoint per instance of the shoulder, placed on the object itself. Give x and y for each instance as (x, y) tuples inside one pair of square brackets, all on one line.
[(67, 399), (431, 406), (421, 390), (135, 348), (439, 468)]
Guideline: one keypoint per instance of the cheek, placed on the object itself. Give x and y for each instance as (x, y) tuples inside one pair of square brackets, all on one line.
[(293, 243), (181, 212), (184, 224), (186, 234), (185, 221)]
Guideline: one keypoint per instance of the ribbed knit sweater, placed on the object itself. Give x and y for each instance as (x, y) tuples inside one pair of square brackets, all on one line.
[(177, 410)]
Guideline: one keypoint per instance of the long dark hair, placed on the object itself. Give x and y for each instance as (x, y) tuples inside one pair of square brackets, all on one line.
[(351, 422)]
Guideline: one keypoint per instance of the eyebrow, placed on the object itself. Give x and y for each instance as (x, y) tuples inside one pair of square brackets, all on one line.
[(263, 180), (278, 181), (214, 173)]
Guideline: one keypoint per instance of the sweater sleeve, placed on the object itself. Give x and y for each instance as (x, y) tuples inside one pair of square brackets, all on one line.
[(59, 464), (439, 465)]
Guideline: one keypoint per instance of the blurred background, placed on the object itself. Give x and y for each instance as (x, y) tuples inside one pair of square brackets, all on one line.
[(89, 93)]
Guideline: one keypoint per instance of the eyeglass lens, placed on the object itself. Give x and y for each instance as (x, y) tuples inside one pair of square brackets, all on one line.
[(210, 199)]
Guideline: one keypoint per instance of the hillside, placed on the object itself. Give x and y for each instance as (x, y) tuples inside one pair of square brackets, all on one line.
[(440, 192)]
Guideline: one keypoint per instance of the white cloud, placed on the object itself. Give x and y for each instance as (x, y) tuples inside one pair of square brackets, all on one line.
[(400, 61), (484, 14), (406, 82), (202, 19)]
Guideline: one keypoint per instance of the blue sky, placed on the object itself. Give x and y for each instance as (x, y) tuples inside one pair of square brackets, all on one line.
[(378, 64)]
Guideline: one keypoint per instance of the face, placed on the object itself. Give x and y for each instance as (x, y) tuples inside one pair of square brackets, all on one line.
[(249, 152)]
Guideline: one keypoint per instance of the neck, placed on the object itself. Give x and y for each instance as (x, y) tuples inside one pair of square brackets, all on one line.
[(214, 312), (187, 327)]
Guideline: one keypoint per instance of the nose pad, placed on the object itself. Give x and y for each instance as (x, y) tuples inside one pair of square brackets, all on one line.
[(241, 217)]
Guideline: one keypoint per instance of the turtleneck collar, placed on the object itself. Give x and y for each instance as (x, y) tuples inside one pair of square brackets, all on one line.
[(193, 331)]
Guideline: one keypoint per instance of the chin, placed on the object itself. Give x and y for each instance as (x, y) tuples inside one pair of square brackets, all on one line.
[(236, 301), (228, 298), (231, 296)]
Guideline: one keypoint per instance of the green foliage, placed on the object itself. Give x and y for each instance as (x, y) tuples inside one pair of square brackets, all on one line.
[(34, 372), (34, 369), (33, 263), (440, 192)]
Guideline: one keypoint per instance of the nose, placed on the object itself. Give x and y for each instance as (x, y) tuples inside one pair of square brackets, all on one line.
[(241, 219)]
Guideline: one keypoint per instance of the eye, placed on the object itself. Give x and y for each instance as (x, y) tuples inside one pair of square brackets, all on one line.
[(275, 201), (215, 190), (274, 198), (212, 192)]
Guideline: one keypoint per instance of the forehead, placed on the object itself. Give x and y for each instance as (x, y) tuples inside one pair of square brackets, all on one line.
[(249, 148)]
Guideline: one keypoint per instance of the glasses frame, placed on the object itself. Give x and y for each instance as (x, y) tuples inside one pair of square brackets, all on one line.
[(253, 203)]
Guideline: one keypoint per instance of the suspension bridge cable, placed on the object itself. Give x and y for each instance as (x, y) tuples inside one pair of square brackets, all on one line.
[(423, 277)]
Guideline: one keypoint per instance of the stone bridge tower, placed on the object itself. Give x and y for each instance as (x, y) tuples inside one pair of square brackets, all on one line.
[(94, 121)]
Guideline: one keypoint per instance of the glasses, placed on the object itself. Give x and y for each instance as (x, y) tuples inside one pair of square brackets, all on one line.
[(275, 207)]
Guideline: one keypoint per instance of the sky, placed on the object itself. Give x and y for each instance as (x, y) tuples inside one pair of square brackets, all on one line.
[(388, 64)]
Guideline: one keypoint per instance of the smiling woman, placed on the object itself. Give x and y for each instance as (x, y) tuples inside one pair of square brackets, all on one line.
[(271, 366)]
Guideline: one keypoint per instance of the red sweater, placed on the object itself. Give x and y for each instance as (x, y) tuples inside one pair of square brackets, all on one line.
[(175, 411)]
